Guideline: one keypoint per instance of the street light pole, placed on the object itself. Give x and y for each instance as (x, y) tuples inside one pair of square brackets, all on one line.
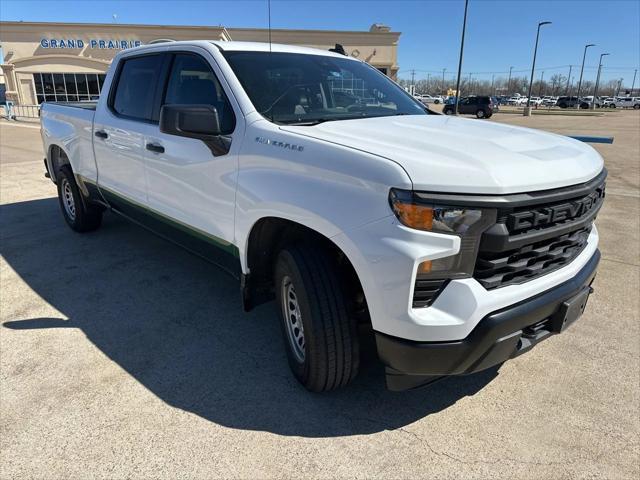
[(509, 82), (634, 81), (464, 27), (527, 110), (582, 71), (595, 90), (541, 81), (444, 92)]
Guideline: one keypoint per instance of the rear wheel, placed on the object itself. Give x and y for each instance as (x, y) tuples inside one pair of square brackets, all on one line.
[(562, 105), (320, 337), (613, 105), (636, 106), (448, 111), (481, 114), (79, 215)]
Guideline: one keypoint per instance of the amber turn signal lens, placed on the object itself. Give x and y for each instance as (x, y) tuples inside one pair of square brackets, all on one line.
[(414, 216), (424, 267)]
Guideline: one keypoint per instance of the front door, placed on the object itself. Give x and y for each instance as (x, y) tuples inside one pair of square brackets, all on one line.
[(187, 182)]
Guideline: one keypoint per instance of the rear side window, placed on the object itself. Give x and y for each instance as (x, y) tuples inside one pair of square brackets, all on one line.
[(136, 87), (192, 82)]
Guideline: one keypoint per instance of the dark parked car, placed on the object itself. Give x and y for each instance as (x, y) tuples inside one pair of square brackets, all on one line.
[(568, 102), (480, 106)]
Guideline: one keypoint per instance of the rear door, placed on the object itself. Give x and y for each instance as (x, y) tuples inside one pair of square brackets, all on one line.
[(187, 182), (121, 125)]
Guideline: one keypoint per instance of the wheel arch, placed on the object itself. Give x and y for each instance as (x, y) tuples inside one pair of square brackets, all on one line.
[(56, 158), (267, 236)]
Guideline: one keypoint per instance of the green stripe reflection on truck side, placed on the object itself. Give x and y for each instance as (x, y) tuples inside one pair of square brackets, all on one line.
[(212, 248)]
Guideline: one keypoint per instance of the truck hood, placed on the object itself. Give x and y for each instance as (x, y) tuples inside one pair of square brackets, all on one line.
[(456, 155)]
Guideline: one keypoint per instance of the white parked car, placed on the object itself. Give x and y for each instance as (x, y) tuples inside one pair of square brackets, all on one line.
[(448, 238), (424, 98), (535, 101), (626, 102)]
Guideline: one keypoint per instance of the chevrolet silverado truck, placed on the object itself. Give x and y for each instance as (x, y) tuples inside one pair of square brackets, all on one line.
[(318, 182)]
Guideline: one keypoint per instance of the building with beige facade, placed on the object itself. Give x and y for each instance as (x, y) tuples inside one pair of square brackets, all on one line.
[(68, 61)]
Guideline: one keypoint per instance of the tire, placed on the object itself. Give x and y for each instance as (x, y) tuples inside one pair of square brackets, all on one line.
[(436, 102), (480, 114), (613, 105), (636, 106), (562, 105), (448, 111), (79, 215), (324, 355)]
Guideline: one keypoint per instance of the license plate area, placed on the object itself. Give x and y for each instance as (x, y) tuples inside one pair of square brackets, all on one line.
[(570, 310)]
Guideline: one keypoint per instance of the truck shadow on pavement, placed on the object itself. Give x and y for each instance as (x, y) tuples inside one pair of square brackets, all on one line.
[(175, 323)]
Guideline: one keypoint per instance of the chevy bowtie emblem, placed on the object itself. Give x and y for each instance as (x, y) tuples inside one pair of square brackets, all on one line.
[(278, 143)]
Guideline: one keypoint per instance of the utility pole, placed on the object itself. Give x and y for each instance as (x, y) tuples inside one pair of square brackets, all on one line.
[(595, 90), (444, 92), (582, 71), (492, 82), (509, 82), (527, 110), (428, 82), (618, 89), (413, 85), (540, 88), (464, 28), (634, 81), (568, 78)]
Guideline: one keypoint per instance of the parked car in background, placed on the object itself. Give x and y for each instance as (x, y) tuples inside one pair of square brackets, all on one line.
[(568, 102), (535, 101), (425, 98), (608, 101), (626, 102), (549, 101), (480, 106), (585, 102)]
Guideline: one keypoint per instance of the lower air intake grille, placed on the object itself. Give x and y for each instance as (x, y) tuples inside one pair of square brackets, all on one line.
[(426, 290), (516, 266)]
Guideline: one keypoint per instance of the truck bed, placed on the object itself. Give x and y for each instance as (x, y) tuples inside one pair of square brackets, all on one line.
[(85, 105)]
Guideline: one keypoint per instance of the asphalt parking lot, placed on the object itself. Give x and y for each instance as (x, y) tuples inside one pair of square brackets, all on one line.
[(122, 355)]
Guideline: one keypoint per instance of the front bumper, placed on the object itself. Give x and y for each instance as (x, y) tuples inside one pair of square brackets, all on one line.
[(499, 336)]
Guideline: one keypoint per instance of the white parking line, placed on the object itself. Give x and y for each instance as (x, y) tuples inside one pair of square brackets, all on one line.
[(11, 124)]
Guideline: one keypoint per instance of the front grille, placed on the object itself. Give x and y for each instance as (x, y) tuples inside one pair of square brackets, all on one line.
[(520, 265), (426, 290), (531, 240)]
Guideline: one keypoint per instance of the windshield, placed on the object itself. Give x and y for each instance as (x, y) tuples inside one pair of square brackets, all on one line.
[(294, 88)]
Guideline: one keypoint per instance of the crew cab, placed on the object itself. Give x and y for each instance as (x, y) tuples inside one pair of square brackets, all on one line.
[(317, 182)]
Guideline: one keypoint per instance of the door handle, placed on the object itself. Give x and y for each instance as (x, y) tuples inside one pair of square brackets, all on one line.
[(101, 134), (154, 147)]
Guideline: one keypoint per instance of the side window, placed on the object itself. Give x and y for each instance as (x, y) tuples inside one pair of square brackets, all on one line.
[(136, 87), (192, 82)]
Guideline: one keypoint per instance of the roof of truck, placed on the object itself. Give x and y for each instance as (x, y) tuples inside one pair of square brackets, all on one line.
[(233, 46)]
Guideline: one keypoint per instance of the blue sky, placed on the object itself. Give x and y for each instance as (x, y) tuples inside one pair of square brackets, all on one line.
[(500, 33)]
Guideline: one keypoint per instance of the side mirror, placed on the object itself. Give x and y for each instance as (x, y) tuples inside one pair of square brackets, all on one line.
[(195, 121)]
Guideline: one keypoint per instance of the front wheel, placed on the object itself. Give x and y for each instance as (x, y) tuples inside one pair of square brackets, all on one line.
[(480, 114), (636, 106), (613, 105), (436, 102), (448, 111), (320, 337), (79, 215)]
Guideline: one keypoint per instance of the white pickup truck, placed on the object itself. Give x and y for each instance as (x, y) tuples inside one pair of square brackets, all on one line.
[(318, 182)]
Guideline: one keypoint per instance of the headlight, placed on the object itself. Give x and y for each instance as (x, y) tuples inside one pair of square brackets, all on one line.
[(464, 221)]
